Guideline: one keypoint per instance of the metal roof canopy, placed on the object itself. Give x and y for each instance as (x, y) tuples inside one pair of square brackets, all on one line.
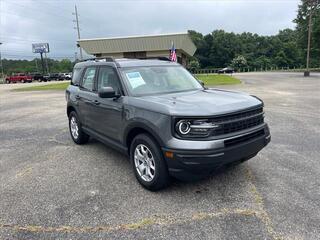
[(182, 41)]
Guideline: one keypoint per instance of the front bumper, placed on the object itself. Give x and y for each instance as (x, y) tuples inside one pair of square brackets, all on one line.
[(187, 163)]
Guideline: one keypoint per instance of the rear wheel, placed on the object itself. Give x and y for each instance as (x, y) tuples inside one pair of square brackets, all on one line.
[(7, 81), (148, 163), (22, 81), (76, 132)]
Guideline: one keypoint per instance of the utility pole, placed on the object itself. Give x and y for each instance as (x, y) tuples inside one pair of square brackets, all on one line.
[(47, 67), (77, 27), (307, 72), (35, 60), (313, 4), (42, 63)]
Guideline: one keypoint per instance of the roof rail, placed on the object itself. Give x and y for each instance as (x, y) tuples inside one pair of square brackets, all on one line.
[(107, 59)]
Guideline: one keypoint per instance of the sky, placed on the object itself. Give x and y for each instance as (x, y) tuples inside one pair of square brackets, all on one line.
[(23, 22)]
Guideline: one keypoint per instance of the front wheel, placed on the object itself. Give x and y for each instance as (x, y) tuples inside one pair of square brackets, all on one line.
[(148, 163), (76, 132), (7, 81), (22, 81)]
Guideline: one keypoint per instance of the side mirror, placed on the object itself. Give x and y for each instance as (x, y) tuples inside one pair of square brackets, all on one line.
[(106, 92)]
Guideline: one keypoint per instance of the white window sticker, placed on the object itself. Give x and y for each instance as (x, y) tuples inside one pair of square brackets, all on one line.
[(135, 79)]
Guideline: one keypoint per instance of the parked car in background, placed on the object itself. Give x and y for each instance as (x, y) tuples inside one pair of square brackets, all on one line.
[(64, 76), (61, 76), (226, 70), (46, 77), (53, 76), (19, 77), (68, 76), (37, 76)]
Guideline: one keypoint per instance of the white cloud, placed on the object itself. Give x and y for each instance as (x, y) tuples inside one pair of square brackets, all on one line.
[(27, 21)]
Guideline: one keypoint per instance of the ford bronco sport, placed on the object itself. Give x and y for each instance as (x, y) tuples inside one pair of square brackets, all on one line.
[(164, 119)]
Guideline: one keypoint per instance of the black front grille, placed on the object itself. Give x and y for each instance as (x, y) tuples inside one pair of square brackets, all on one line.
[(245, 138), (239, 121)]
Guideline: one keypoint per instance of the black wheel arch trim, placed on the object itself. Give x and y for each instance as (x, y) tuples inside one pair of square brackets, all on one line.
[(75, 109), (146, 126)]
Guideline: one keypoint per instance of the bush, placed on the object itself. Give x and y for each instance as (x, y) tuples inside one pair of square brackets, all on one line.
[(193, 66)]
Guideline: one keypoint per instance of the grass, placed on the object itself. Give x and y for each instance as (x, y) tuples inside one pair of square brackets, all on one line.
[(208, 79), (54, 86), (216, 79)]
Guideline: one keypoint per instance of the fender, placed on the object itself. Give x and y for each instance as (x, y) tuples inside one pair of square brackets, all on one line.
[(143, 124)]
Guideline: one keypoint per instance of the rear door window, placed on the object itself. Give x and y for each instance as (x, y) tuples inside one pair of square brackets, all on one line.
[(76, 75), (88, 78)]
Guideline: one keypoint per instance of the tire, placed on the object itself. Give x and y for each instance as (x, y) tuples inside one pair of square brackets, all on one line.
[(22, 81), (161, 178), (7, 82), (76, 132)]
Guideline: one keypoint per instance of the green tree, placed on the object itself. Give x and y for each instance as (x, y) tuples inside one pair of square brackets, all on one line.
[(202, 45), (302, 21), (193, 65), (219, 48), (24, 66), (239, 62), (281, 59)]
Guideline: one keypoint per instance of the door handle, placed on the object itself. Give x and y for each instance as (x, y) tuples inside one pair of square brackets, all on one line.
[(96, 102)]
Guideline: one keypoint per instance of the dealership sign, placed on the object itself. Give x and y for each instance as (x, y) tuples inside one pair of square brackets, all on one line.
[(40, 47)]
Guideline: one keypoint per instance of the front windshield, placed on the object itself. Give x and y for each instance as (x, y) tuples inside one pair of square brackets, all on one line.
[(158, 79)]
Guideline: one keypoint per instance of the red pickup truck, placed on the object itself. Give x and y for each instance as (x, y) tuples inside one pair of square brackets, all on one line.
[(20, 77)]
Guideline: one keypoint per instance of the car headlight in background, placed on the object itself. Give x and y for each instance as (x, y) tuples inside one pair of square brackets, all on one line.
[(194, 128)]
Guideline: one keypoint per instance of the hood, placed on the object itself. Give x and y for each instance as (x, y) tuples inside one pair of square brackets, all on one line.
[(207, 102)]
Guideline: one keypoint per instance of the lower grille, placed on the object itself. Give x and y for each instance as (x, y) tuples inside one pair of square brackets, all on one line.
[(238, 140)]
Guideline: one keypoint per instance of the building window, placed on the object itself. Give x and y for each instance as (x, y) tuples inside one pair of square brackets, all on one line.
[(135, 54)]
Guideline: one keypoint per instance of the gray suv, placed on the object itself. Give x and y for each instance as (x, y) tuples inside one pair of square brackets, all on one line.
[(163, 118)]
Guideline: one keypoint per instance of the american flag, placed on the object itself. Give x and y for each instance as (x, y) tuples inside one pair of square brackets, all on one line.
[(173, 55)]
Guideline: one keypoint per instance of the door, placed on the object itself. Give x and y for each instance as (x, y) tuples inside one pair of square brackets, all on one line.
[(109, 118), (87, 96)]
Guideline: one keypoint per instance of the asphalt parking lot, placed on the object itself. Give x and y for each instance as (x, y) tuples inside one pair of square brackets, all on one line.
[(51, 188)]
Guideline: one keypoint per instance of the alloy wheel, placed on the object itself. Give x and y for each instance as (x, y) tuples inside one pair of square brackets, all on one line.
[(144, 162), (74, 127)]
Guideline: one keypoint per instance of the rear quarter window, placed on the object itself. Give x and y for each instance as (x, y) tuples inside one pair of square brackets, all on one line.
[(76, 75)]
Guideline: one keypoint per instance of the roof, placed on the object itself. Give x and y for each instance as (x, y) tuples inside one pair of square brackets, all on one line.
[(126, 62), (158, 42)]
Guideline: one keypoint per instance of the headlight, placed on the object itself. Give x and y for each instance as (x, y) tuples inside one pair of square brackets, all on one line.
[(183, 127), (194, 128)]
